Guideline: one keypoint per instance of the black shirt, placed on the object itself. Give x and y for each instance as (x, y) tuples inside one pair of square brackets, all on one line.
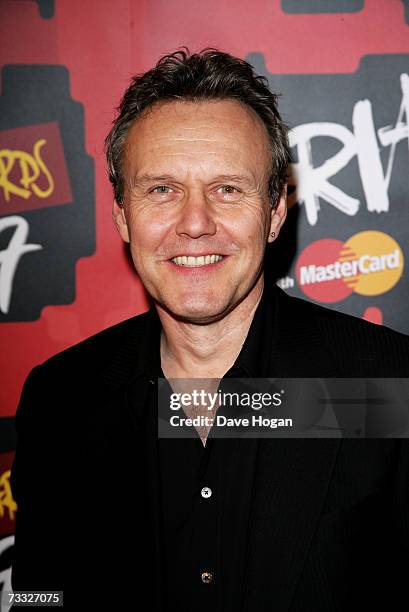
[(206, 494)]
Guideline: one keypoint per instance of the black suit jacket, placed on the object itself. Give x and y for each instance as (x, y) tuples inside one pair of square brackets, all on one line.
[(330, 519)]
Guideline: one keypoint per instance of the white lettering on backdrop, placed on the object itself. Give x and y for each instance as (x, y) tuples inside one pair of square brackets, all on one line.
[(313, 183)]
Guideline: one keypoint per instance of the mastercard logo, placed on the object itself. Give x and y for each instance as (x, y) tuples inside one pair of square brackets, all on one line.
[(368, 263)]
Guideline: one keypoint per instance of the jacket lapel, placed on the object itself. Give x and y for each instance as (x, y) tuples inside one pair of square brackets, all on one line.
[(292, 474), (143, 408), (133, 372), (290, 489)]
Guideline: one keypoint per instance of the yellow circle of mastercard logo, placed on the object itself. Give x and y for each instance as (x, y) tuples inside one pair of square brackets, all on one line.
[(368, 263), (376, 262)]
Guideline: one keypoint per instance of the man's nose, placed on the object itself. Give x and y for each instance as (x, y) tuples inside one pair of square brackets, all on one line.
[(196, 216)]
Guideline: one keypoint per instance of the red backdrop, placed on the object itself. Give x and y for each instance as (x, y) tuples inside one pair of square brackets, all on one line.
[(102, 43)]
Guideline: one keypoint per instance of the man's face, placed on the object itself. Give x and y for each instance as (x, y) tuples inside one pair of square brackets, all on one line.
[(196, 209)]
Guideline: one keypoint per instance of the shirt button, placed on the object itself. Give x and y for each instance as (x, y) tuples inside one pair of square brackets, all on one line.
[(206, 492), (207, 577)]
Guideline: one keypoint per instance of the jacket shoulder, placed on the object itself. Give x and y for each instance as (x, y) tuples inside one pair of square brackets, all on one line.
[(352, 339), (94, 351), (335, 318)]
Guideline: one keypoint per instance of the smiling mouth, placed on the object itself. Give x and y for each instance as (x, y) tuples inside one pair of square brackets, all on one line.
[(194, 262)]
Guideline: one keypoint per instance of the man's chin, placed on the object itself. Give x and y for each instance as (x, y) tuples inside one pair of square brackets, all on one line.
[(197, 312)]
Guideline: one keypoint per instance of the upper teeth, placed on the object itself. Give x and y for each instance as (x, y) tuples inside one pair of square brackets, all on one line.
[(185, 260)]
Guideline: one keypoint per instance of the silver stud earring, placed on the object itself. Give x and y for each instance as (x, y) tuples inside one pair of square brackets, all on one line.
[(272, 234)]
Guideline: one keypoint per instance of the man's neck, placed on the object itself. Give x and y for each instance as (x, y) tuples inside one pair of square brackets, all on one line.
[(206, 351)]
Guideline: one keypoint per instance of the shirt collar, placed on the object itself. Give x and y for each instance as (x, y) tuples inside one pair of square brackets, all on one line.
[(252, 360)]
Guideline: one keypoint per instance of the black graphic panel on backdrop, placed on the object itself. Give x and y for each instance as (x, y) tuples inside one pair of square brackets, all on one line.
[(46, 8), (349, 141), (322, 6), (47, 201), (406, 7)]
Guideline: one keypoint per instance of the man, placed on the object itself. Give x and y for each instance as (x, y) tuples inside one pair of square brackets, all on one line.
[(123, 520)]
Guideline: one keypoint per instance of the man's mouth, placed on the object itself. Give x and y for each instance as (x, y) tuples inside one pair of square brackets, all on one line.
[(194, 262)]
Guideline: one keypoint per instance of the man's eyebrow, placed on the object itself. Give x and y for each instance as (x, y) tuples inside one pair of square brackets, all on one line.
[(151, 178), (236, 178), (144, 179)]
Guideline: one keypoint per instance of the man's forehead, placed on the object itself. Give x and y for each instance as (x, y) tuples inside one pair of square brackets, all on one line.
[(191, 119), (204, 134)]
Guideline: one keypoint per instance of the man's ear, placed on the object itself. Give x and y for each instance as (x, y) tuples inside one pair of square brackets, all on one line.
[(278, 215), (118, 215)]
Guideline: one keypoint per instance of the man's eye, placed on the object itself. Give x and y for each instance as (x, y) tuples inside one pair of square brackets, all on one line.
[(228, 189), (161, 189)]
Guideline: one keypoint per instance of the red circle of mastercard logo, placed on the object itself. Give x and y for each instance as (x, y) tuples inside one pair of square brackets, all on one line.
[(368, 263)]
